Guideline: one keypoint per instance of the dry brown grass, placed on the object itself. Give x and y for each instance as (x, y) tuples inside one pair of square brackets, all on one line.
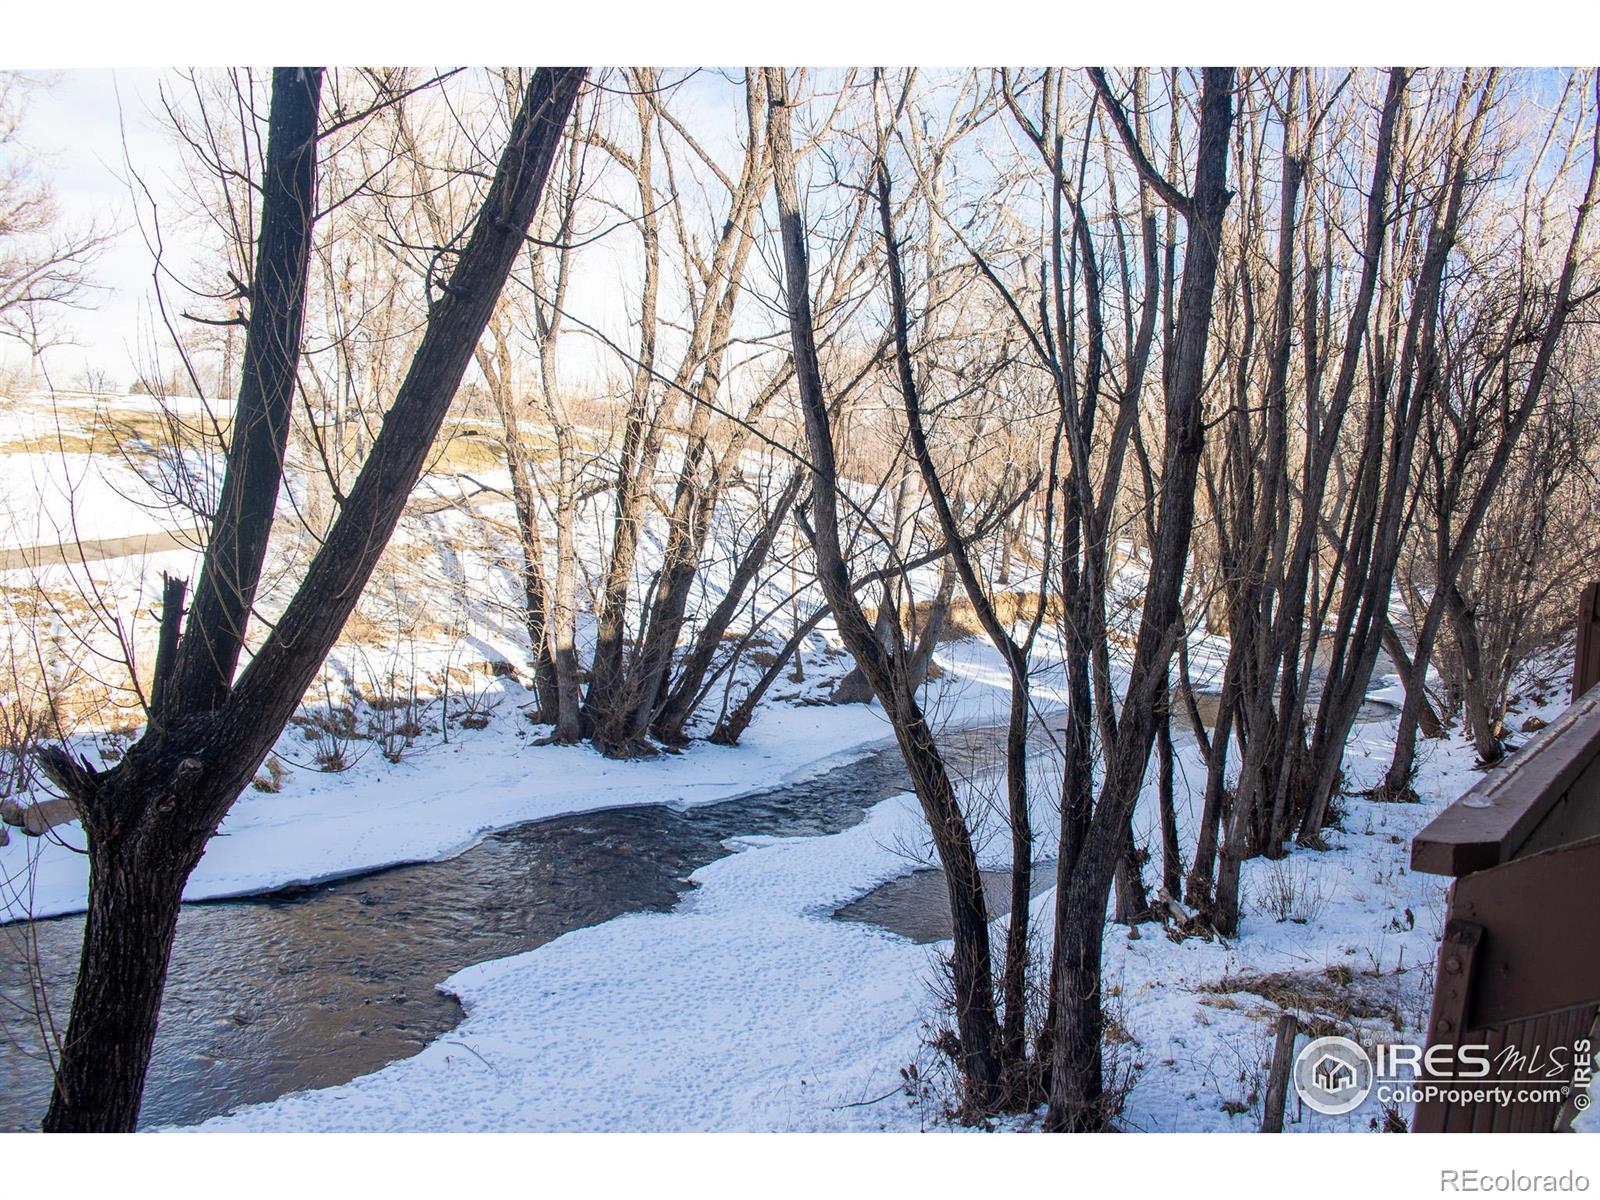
[(468, 453), (112, 432), (1336, 992), (1117, 1033), (468, 446)]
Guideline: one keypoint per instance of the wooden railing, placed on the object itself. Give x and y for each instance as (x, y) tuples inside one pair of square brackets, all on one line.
[(1519, 966)]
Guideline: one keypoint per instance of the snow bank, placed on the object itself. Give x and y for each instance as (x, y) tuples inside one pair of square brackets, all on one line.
[(749, 1008), (441, 799)]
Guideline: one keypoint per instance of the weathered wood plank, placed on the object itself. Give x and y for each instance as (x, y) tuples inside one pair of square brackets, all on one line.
[(1538, 954), (1278, 1079), (1493, 821)]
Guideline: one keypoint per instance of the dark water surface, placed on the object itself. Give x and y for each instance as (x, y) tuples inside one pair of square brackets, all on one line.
[(314, 987), (917, 906)]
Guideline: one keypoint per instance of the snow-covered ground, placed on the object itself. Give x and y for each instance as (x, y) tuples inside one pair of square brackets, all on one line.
[(749, 1007), (80, 467)]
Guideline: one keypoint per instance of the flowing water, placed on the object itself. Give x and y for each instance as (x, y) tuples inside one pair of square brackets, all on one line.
[(917, 905), (314, 987)]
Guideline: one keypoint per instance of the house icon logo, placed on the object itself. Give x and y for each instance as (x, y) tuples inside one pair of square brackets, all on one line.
[(1332, 1075)]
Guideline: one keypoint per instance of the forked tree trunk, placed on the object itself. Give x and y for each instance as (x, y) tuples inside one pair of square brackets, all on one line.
[(148, 819), (1482, 721), (855, 687), (1198, 884), (933, 628), (1132, 899), (1416, 713), (685, 693)]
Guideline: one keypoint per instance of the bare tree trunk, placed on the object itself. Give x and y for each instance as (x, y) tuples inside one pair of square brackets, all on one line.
[(564, 612), (1132, 900), (977, 1029), (1085, 871), (933, 627), (1171, 854), (1199, 882), (1482, 720), (127, 942), (1416, 713), (535, 600), (149, 818)]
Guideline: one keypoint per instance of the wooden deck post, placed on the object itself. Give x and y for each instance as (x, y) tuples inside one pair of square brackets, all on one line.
[(1452, 988), (1586, 664)]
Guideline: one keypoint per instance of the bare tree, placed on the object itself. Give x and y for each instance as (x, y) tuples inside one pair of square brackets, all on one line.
[(977, 1025), (1276, 613), (1494, 355), (1093, 840), (44, 262), (149, 818)]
